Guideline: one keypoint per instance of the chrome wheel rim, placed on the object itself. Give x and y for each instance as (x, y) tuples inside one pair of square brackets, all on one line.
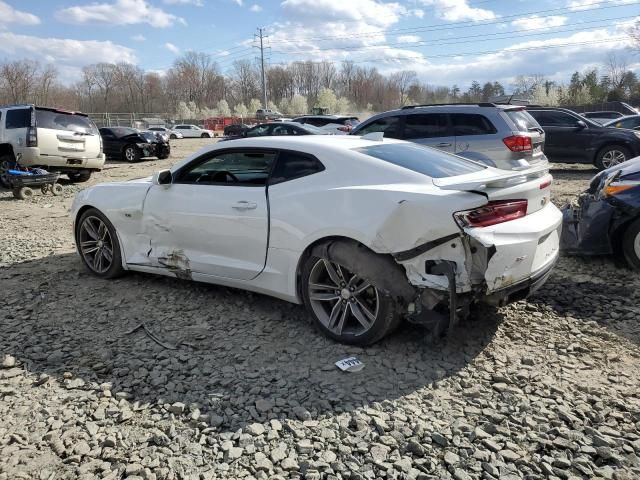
[(613, 157), (344, 303), (130, 154), (96, 244)]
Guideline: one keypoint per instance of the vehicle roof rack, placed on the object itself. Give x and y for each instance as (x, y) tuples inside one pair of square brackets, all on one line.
[(480, 104)]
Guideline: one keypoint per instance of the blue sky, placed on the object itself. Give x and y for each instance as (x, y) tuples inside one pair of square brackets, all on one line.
[(444, 41)]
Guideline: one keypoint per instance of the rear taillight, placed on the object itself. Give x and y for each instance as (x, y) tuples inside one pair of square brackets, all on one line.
[(518, 143), (32, 137), (492, 213)]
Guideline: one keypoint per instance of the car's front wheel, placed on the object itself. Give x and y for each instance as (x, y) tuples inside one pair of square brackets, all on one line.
[(611, 155), (98, 245), (172, 136), (131, 153), (344, 304), (79, 177), (631, 244)]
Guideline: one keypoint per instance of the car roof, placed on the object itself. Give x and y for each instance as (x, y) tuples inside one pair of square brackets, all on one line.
[(342, 142), (327, 117)]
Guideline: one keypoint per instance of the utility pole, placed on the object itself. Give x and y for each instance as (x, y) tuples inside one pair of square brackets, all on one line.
[(262, 36)]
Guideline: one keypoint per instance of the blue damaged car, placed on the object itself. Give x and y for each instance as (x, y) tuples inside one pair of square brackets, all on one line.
[(606, 218)]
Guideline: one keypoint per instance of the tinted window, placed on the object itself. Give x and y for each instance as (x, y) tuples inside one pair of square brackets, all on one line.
[(181, 127), (123, 131), (282, 130), (553, 118), (426, 126), (428, 161), (628, 123), (241, 168), (258, 130), (302, 129), (522, 120), (292, 165), (471, 124), (389, 125), (19, 118), (64, 121)]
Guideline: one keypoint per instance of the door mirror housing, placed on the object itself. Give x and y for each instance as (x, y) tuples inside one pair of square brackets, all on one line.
[(580, 124), (163, 177)]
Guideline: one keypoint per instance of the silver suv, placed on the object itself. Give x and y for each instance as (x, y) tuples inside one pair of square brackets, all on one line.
[(503, 136), (57, 140)]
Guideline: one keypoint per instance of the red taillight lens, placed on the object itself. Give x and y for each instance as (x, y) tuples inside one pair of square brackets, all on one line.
[(493, 213), (32, 137), (518, 143)]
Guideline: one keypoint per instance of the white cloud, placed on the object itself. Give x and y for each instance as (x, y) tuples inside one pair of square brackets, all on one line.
[(458, 10), (592, 4), (9, 15), (197, 3), (238, 2), (418, 12), (121, 12), (408, 38), (255, 8), (138, 38), (534, 22), (171, 47)]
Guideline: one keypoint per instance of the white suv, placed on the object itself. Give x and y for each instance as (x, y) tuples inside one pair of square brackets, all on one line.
[(57, 140), (193, 131)]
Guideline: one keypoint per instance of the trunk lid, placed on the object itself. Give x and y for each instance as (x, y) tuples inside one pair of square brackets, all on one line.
[(526, 125), (67, 134)]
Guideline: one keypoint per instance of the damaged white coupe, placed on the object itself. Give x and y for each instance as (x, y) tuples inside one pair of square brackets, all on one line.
[(363, 231)]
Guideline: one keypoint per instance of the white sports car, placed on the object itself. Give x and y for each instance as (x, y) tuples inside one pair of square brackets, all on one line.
[(364, 231)]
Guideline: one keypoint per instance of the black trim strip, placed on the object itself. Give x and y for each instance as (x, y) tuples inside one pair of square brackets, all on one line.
[(425, 247)]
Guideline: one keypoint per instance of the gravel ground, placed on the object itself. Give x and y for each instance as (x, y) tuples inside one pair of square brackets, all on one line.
[(243, 387)]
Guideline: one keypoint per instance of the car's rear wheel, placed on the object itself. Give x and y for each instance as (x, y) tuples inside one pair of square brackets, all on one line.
[(344, 305), (611, 155), (205, 135), (631, 244), (131, 153), (79, 177), (98, 245), (7, 162)]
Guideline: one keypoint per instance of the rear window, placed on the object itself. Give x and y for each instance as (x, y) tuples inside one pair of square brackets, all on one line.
[(64, 121), (18, 118), (471, 124), (428, 161), (523, 120)]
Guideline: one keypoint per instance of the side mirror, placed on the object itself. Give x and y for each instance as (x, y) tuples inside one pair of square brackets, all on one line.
[(580, 124), (163, 177), (244, 134)]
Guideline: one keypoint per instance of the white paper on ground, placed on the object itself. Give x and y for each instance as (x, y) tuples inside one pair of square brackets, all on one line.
[(350, 364)]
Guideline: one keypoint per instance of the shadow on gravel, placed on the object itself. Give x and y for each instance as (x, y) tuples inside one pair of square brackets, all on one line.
[(233, 348)]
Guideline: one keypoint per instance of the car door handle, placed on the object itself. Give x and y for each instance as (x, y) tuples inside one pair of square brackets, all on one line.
[(244, 205), (442, 145)]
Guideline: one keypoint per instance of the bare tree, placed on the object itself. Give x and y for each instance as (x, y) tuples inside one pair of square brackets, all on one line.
[(402, 80)]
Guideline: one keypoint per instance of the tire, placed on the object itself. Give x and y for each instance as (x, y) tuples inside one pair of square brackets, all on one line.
[(6, 162), (44, 189), (205, 135), (79, 177), (163, 156), (24, 193), (88, 238), (631, 244), (611, 155), (377, 308), (172, 136), (131, 154), (56, 189)]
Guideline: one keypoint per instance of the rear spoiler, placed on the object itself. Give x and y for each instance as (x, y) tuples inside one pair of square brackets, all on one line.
[(491, 180)]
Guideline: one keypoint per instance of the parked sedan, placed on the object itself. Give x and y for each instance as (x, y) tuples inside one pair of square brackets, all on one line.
[(606, 217), (336, 124), (362, 232), (602, 117), (235, 130), (193, 131), (171, 133), (131, 145), (632, 122), (279, 129)]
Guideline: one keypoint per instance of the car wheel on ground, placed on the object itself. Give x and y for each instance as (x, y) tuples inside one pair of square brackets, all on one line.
[(611, 155), (131, 153), (79, 177), (98, 245), (163, 156), (6, 162), (23, 193), (172, 136), (631, 244), (344, 304), (205, 135)]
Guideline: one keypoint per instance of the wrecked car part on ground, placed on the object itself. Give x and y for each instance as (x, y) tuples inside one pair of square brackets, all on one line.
[(606, 217), (363, 231)]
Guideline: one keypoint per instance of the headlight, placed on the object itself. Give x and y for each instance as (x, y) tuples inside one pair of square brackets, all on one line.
[(612, 189)]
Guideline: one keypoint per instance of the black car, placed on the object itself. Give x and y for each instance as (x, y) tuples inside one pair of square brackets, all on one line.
[(631, 122), (235, 130), (572, 138), (131, 145), (606, 218), (279, 128), (341, 123)]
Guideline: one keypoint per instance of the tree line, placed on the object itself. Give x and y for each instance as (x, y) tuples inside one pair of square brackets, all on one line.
[(195, 87)]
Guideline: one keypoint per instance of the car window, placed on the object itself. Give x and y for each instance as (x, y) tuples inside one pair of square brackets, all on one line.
[(64, 121), (282, 130), (106, 131), (233, 168), (418, 158), (290, 165), (123, 131), (471, 124), (426, 125), (554, 118), (18, 118), (258, 131), (522, 119), (305, 129), (180, 127), (390, 126)]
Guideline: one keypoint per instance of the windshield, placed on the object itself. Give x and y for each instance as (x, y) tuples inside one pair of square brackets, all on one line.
[(64, 121), (428, 161)]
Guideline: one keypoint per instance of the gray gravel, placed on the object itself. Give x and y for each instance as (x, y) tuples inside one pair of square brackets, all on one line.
[(541, 389)]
